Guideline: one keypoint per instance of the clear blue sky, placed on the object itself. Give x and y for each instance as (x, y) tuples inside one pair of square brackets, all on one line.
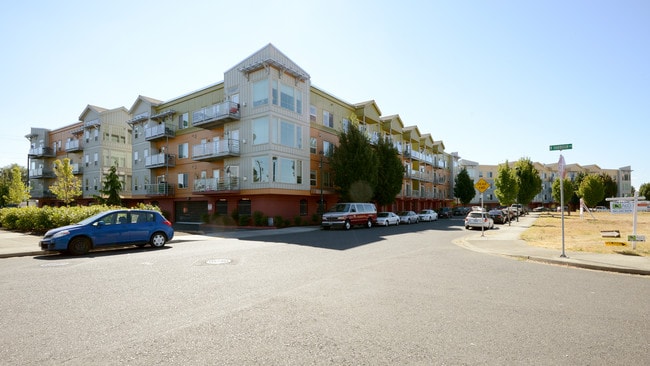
[(494, 80)]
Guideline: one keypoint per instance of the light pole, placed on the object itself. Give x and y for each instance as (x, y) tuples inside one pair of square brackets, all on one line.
[(320, 166), (518, 187)]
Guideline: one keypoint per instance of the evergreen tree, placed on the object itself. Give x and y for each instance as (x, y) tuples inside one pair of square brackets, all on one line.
[(390, 175), (112, 188), (354, 164), (17, 191), (67, 186), (611, 188), (644, 191), (464, 187)]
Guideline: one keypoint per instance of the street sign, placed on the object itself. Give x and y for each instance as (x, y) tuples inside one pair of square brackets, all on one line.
[(561, 165), (482, 185), (636, 238), (561, 147)]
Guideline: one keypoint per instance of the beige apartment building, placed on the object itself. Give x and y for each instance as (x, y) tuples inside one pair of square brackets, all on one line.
[(257, 141), (548, 174)]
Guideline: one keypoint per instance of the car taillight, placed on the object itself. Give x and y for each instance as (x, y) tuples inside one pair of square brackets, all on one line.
[(167, 222)]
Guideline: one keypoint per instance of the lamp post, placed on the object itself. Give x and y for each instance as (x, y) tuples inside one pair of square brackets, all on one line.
[(518, 187), (320, 166)]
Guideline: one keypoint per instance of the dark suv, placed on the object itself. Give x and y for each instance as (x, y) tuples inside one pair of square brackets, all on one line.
[(445, 213)]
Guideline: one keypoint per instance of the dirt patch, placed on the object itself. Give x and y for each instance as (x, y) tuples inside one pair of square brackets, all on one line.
[(584, 234)]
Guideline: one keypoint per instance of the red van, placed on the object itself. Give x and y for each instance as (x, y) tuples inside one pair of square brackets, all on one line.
[(347, 215)]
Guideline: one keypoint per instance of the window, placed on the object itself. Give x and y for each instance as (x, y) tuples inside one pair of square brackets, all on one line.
[(298, 102), (184, 121), (312, 178), (328, 119), (274, 92), (260, 93), (183, 150), (346, 125), (244, 207), (313, 143), (303, 207), (136, 132), (135, 157), (326, 179), (260, 169), (182, 180), (96, 134), (287, 100), (260, 131), (286, 170), (290, 134), (96, 158), (312, 113), (327, 148)]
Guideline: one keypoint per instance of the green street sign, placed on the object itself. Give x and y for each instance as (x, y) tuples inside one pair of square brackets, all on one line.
[(562, 147)]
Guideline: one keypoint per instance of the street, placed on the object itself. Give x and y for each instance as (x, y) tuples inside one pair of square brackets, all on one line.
[(396, 295)]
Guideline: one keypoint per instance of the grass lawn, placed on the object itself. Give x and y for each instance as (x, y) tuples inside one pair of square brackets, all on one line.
[(584, 234)]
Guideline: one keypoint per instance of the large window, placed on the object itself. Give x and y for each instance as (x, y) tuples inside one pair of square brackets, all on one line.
[(184, 121), (287, 170), (328, 119), (290, 134), (260, 93), (183, 180), (313, 143), (261, 131), (312, 113), (183, 150), (327, 148), (287, 100), (261, 169)]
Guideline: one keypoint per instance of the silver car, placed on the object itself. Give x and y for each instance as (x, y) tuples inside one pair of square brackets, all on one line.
[(478, 219), (387, 219)]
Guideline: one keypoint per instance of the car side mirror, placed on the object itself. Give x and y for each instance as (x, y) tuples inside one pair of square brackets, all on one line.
[(100, 223)]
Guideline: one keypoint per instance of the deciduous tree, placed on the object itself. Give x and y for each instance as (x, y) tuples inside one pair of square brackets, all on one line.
[(506, 185), (67, 186)]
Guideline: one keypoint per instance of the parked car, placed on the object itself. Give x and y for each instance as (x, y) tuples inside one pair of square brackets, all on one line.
[(408, 217), (428, 215), (460, 211), (478, 219), (346, 215), (387, 219), (559, 209), (600, 209), (499, 216), (114, 227), (541, 209), (519, 209), (445, 212)]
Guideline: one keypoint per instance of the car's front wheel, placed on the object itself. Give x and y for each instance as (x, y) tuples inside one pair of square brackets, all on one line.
[(369, 224), (79, 246), (158, 240), (347, 225)]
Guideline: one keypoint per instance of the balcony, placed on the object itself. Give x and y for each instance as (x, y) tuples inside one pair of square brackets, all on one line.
[(215, 150), (216, 185), (215, 115), (41, 173), (160, 160), (73, 145), (159, 131), (41, 152), (159, 189)]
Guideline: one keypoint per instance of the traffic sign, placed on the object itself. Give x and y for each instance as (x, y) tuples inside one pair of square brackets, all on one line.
[(561, 165), (482, 185), (636, 238), (561, 147)]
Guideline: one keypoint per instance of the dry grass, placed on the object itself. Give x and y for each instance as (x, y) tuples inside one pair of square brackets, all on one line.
[(584, 234)]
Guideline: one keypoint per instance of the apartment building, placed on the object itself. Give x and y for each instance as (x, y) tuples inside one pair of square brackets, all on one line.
[(257, 141), (548, 174), (99, 140)]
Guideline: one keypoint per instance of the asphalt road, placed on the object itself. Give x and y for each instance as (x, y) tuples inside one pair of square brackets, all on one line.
[(398, 295)]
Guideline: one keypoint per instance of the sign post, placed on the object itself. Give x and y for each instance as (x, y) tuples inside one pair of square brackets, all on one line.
[(618, 207), (482, 185), (561, 167)]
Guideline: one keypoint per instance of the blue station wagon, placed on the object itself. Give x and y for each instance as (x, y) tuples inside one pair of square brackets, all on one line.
[(114, 227)]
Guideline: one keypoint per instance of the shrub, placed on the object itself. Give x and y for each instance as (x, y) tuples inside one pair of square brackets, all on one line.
[(297, 220), (258, 218), (278, 221), (244, 220)]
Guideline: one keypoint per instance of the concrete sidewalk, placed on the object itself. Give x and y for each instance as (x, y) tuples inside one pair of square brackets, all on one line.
[(503, 240)]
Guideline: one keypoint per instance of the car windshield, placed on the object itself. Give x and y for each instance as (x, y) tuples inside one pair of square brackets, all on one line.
[(382, 214), (341, 207), (403, 213), (91, 219), (424, 211)]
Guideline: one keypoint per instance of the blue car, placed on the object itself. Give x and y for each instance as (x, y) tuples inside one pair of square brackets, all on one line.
[(115, 227)]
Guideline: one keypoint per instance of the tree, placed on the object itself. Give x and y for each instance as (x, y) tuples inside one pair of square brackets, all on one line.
[(6, 176), (611, 188), (464, 187), (592, 190), (506, 185), (391, 174), (528, 181), (575, 199), (644, 191), (17, 191), (569, 189), (112, 188), (67, 186), (355, 165)]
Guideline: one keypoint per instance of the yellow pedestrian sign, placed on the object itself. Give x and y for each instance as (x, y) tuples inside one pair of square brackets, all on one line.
[(482, 185)]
